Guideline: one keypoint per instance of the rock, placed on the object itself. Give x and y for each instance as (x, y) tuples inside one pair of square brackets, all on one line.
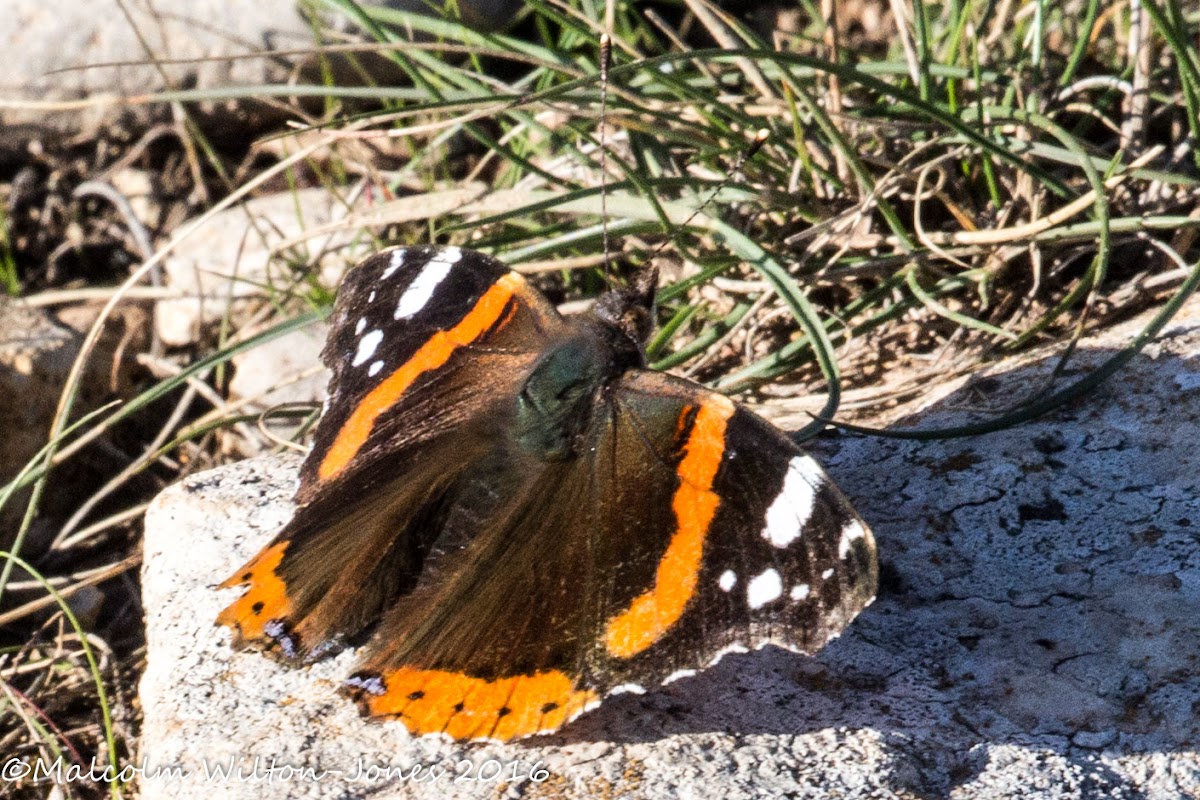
[(229, 266), (284, 370), (1035, 634), (37, 353), (35, 356), (1094, 740), (72, 51), (57, 43)]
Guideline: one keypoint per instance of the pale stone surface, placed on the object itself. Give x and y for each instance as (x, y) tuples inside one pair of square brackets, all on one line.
[(58, 52), (284, 370), (231, 259), (51, 45), (282, 380), (1037, 633)]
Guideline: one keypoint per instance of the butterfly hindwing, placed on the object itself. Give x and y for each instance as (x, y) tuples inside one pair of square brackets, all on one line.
[(765, 549), (507, 642)]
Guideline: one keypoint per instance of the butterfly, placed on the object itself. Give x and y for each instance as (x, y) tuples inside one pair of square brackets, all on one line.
[(515, 518)]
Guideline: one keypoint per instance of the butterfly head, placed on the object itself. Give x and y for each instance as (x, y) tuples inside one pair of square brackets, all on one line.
[(629, 310)]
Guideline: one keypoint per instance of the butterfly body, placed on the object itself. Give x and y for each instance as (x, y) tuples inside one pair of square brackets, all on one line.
[(518, 518)]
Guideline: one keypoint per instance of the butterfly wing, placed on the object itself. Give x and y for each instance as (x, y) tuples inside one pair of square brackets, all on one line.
[(766, 549), (427, 346), (684, 527)]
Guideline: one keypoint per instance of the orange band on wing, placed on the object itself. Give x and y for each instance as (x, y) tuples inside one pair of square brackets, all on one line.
[(266, 599), (433, 354), (653, 613), (463, 707)]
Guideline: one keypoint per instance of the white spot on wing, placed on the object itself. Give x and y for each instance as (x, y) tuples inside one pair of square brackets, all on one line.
[(396, 263), (371, 297), (800, 591), (727, 580), (764, 588), (852, 531), (677, 674), (358, 327), (372, 684), (366, 347), (373, 370), (724, 651), (628, 688), (827, 574), (791, 509), (423, 286)]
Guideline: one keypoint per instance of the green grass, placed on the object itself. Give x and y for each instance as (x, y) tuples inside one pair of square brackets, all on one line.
[(1011, 128), (10, 280), (987, 189)]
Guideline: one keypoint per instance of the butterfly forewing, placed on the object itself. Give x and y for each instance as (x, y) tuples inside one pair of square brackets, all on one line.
[(422, 341)]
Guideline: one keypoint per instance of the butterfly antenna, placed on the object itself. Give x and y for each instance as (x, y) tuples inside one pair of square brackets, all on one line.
[(760, 138), (605, 58)]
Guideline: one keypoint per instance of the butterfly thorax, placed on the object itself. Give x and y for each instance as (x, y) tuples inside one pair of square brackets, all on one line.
[(555, 405)]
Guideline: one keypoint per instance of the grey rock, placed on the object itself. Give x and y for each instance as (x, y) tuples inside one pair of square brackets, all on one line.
[(282, 375), (57, 43), (37, 352), (77, 60), (284, 370), (229, 266), (35, 356), (1037, 633)]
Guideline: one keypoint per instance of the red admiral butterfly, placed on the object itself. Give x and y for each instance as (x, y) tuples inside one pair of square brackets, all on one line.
[(523, 519)]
